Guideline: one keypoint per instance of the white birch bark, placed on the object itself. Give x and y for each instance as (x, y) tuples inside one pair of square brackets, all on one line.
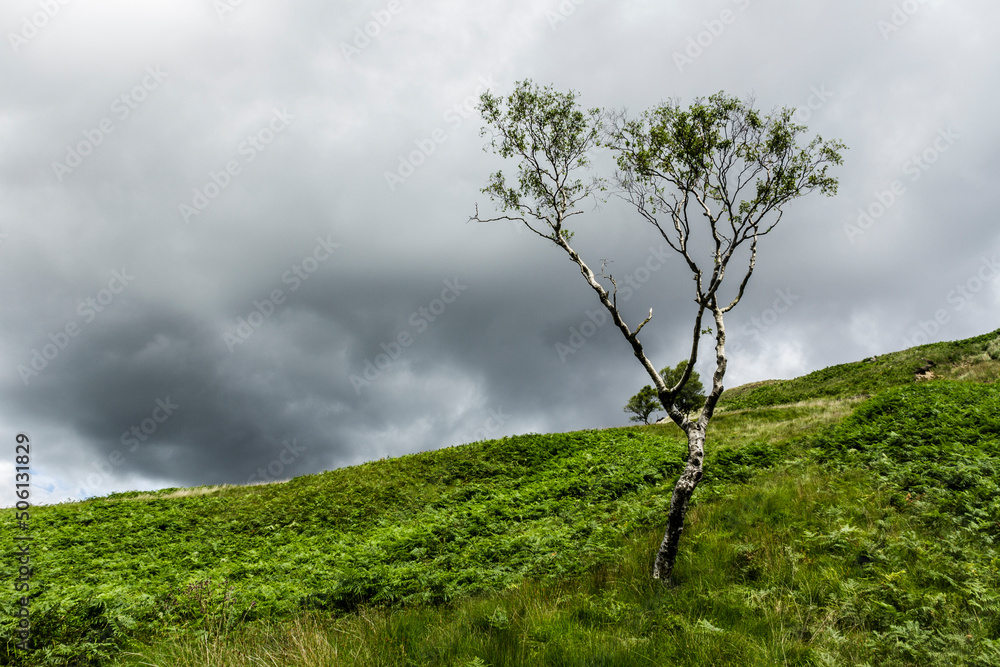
[(722, 160)]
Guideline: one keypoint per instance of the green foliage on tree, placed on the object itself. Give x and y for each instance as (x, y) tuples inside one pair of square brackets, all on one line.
[(711, 179), (690, 398), (643, 404)]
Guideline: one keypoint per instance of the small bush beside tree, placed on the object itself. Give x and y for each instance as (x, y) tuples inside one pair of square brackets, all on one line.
[(690, 399)]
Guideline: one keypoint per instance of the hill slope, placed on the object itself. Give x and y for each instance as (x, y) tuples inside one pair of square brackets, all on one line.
[(876, 530), (959, 360)]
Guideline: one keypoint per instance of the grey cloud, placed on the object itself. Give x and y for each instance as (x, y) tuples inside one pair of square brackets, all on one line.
[(490, 362)]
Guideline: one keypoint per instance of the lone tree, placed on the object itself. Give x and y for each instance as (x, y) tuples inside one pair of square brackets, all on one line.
[(643, 404), (690, 398), (719, 163)]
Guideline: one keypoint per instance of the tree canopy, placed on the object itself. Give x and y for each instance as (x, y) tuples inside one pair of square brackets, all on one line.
[(690, 398), (720, 166)]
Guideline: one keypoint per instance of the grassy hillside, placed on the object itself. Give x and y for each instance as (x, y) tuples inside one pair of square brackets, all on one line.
[(965, 360), (830, 529)]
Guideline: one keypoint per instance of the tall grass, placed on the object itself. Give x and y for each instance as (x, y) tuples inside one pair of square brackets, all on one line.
[(873, 544), (799, 567)]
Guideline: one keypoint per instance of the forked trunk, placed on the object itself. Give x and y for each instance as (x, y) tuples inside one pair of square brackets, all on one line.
[(683, 490)]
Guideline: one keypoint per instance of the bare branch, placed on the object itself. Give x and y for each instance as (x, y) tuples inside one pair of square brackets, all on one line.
[(476, 218), (644, 322), (720, 160)]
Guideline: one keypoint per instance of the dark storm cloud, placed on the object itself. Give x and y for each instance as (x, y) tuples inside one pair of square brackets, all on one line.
[(235, 242)]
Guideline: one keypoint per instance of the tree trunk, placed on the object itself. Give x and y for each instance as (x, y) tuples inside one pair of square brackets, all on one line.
[(683, 490)]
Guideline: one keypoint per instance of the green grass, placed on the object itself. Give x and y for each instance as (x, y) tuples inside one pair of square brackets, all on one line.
[(791, 569), (866, 378), (828, 530)]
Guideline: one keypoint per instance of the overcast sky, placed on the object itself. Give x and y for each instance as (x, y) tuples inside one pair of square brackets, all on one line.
[(216, 215)]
